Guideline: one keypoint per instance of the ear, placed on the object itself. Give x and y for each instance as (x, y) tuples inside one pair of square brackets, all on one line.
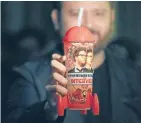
[(54, 16)]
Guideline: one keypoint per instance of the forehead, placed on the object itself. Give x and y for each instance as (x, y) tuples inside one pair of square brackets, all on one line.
[(82, 52), (89, 5)]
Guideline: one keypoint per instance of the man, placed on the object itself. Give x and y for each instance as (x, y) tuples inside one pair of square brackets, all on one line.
[(89, 61), (80, 60), (116, 80)]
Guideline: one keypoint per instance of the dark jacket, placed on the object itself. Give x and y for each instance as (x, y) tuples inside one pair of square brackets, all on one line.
[(85, 70), (27, 97)]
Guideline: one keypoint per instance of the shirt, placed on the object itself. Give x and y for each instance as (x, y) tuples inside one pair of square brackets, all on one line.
[(78, 70)]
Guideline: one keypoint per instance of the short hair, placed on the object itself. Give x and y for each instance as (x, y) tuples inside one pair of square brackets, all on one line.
[(76, 52)]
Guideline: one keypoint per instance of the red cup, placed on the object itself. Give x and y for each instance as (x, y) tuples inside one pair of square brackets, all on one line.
[(78, 47)]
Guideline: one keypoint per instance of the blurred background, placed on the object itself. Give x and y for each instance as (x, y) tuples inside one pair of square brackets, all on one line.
[(24, 18), (27, 27)]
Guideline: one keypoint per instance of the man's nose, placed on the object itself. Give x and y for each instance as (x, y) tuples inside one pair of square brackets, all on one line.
[(87, 20)]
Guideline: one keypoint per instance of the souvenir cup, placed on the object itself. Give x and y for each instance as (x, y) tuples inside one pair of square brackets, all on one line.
[(79, 44)]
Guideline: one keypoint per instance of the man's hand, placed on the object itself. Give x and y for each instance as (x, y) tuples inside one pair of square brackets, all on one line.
[(59, 72)]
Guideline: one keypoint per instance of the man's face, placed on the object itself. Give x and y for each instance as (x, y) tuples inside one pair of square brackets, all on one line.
[(97, 16), (81, 58), (89, 58)]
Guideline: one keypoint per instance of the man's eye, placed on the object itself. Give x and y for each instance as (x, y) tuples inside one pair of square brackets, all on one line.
[(99, 14), (74, 13)]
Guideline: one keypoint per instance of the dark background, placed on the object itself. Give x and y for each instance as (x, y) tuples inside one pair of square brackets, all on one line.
[(23, 18), (24, 22), (19, 15)]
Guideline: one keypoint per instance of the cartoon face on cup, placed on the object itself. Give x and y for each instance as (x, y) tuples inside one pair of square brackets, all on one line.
[(89, 59), (82, 59), (79, 57)]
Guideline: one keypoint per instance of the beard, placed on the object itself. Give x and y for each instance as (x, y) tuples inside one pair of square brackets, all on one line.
[(102, 41)]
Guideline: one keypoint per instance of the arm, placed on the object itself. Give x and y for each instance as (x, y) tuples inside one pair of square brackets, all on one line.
[(24, 100), (25, 106)]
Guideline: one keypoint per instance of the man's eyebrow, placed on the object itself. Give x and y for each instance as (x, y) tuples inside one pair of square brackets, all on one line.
[(72, 9), (100, 10), (94, 10)]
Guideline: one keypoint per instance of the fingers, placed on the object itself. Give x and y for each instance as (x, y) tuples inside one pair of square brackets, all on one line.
[(57, 63), (57, 88), (58, 66), (59, 58), (59, 71), (60, 79)]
